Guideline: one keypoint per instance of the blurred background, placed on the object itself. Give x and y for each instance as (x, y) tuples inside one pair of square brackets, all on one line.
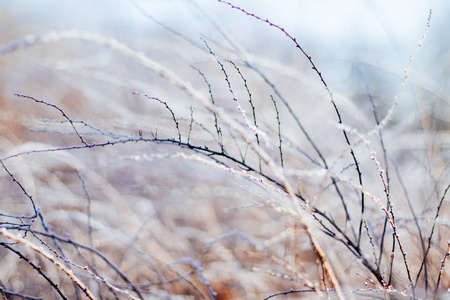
[(155, 214), (344, 39)]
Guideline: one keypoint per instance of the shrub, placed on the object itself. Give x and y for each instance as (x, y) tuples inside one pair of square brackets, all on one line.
[(213, 181)]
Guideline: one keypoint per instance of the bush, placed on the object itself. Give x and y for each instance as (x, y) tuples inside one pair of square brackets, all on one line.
[(209, 173)]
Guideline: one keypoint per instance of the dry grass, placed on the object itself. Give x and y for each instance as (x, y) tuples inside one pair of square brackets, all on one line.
[(149, 175)]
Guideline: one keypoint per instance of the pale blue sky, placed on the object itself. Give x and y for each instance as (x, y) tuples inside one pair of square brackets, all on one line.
[(381, 33)]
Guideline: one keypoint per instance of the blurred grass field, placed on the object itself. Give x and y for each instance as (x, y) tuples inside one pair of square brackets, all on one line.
[(197, 212)]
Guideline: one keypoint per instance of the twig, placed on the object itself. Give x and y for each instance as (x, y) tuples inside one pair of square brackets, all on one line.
[(35, 209), (216, 125), (51, 258), (190, 124), (57, 108), (250, 100), (292, 291), (438, 209), (235, 99), (168, 108), (441, 270), (15, 294), (279, 130), (37, 268), (96, 252), (297, 45)]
